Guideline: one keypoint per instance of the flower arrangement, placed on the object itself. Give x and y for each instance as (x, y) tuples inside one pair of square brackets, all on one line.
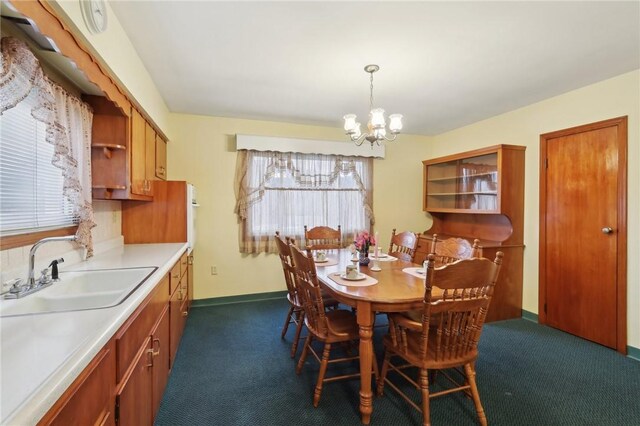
[(364, 240)]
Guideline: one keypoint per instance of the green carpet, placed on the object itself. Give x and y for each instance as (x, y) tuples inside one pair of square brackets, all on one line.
[(232, 368)]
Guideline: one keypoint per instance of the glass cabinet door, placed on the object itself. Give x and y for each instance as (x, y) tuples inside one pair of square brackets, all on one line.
[(463, 184)]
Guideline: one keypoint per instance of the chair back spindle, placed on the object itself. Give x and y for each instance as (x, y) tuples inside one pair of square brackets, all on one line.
[(309, 291), (461, 311), (323, 238), (403, 245)]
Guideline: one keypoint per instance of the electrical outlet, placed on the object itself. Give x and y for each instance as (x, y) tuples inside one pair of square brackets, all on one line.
[(214, 270)]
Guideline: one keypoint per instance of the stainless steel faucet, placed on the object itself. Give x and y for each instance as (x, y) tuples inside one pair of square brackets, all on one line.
[(20, 287), (31, 282)]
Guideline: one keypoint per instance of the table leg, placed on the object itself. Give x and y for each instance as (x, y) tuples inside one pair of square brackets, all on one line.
[(365, 323)]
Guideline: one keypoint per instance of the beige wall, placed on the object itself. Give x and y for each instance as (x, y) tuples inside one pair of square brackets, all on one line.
[(611, 98), (203, 153)]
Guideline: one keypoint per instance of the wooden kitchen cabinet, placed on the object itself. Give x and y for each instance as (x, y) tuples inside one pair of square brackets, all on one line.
[(139, 184), (178, 306), (160, 347), (90, 399), (190, 280), (480, 195), (161, 158), (133, 400), (150, 156), (123, 152)]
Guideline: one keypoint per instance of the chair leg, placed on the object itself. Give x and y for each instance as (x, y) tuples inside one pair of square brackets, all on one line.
[(471, 378), (286, 322), (424, 389), (296, 339), (323, 370), (383, 373), (305, 351)]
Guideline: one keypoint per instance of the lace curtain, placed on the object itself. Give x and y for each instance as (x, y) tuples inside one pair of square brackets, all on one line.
[(68, 127), (285, 191)]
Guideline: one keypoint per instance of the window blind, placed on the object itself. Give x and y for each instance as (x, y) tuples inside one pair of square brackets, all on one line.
[(31, 197)]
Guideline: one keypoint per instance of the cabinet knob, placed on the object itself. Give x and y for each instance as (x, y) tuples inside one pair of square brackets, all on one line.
[(607, 230), (185, 313)]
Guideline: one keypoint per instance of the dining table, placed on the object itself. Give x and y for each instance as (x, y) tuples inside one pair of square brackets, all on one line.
[(395, 291)]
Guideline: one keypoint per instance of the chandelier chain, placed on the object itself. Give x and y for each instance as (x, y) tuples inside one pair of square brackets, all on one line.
[(371, 93)]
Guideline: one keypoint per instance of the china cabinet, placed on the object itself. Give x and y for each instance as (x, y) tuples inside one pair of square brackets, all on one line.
[(480, 194)]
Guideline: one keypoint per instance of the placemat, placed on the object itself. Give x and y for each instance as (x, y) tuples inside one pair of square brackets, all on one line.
[(414, 272), (362, 283), (330, 262), (386, 258)]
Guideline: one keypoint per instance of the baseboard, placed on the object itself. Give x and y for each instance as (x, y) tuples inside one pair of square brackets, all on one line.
[(529, 316), (243, 298), (633, 353)]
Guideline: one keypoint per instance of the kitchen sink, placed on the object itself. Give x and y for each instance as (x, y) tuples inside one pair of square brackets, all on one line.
[(80, 290)]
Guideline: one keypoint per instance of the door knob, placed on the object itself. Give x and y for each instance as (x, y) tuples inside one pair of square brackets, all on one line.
[(607, 230)]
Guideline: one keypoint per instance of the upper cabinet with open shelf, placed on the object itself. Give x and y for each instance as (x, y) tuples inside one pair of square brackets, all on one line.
[(471, 182), (123, 156)]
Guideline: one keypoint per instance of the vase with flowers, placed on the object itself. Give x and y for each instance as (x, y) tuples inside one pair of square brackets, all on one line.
[(363, 240)]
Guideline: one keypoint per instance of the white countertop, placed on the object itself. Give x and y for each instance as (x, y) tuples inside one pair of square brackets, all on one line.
[(41, 355)]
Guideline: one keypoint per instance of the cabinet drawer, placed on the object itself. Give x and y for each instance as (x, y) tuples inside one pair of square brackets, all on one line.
[(175, 277), (183, 264), (89, 400), (138, 327)]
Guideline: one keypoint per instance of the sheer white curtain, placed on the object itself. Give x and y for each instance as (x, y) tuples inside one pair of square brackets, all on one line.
[(68, 123), (286, 191)]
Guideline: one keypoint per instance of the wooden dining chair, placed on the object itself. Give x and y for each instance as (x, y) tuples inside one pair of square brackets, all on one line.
[(458, 316), (452, 249), (403, 245), (295, 315), (323, 238), (327, 326)]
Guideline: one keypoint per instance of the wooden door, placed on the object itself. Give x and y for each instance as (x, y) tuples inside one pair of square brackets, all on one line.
[(134, 397), (160, 346), (583, 232), (138, 154)]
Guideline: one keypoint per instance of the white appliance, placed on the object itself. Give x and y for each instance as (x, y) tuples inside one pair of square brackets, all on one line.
[(192, 206)]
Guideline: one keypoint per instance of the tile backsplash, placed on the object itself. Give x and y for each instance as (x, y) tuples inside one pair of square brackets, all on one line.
[(108, 218)]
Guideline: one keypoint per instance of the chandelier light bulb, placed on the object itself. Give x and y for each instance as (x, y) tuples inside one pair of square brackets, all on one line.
[(377, 118), (395, 123), (349, 123), (356, 131), (376, 127)]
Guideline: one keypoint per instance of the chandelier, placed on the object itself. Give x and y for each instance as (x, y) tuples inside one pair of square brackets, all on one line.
[(377, 124)]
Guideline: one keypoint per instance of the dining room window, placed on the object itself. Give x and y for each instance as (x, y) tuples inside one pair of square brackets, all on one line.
[(283, 192)]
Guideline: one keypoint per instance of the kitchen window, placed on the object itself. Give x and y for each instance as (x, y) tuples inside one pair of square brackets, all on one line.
[(45, 154), (286, 191), (31, 187)]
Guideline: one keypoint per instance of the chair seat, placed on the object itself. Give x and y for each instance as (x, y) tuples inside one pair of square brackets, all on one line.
[(414, 356), (343, 326)]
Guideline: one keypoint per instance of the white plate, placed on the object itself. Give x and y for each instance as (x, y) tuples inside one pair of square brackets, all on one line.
[(382, 255), (326, 259), (359, 278), (421, 271)]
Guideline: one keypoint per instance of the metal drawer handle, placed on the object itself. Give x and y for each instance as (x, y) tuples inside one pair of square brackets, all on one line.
[(155, 352)]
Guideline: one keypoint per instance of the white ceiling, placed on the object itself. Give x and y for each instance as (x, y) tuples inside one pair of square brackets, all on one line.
[(442, 65)]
